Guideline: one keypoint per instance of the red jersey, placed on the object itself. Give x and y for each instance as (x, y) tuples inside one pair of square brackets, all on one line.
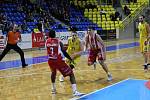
[(53, 48), (93, 43)]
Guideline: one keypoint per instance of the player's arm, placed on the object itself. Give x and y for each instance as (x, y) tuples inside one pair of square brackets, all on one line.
[(79, 53), (86, 43), (20, 38), (100, 40), (64, 51), (104, 48), (148, 31)]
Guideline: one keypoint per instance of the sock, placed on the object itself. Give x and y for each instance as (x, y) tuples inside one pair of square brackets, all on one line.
[(53, 86), (145, 64), (74, 87), (108, 73)]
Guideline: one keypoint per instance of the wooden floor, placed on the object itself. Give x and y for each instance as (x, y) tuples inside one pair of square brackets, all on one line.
[(33, 83)]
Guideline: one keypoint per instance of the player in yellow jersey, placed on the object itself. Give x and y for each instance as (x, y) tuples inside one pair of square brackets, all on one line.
[(144, 36), (74, 49)]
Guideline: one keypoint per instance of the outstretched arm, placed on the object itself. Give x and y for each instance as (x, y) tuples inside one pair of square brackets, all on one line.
[(64, 51)]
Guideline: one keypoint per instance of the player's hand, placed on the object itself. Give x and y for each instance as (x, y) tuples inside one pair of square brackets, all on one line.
[(72, 62)]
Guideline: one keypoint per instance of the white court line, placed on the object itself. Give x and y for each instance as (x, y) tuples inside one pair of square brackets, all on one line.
[(101, 89), (122, 49), (48, 72)]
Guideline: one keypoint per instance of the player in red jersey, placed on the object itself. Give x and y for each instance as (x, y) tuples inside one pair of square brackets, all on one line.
[(55, 51), (96, 50)]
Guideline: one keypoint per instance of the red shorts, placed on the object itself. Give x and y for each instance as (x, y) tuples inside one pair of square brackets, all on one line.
[(93, 54), (61, 66)]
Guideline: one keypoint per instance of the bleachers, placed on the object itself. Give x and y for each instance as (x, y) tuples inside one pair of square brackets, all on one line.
[(78, 20), (92, 13), (132, 6), (13, 15)]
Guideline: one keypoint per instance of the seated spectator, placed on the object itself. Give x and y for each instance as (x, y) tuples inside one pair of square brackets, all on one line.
[(24, 26), (36, 30), (117, 14), (126, 10), (112, 17), (102, 12)]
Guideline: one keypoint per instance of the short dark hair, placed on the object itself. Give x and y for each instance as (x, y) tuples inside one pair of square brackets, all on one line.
[(91, 28), (52, 34), (143, 16)]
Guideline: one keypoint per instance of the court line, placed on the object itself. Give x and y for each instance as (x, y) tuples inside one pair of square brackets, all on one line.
[(48, 72), (109, 49), (101, 89), (20, 67)]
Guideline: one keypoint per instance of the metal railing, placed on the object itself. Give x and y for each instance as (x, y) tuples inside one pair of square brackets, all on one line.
[(132, 17)]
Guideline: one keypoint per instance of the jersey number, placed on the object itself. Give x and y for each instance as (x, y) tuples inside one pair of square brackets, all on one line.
[(51, 50)]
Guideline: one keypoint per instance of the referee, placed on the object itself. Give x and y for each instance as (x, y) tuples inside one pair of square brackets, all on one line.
[(12, 38)]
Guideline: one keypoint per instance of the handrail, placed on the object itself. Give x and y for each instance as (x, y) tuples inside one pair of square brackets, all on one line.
[(130, 18)]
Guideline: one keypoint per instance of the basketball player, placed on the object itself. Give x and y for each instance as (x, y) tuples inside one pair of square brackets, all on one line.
[(55, 52), (144, 36), (12, 38), (96, 50), (74, 49)]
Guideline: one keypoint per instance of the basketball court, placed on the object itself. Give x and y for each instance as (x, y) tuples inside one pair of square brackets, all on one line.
[(33, 83), (129, 89)]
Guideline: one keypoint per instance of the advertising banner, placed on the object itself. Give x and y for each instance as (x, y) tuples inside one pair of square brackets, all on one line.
[(2, 42), (26, 42), (38, 40)]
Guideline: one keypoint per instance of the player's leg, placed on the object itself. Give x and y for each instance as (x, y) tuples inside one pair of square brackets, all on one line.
[(104, 66), (21, 53), (145, 55), (92, 57), (71, 65), (142, 43), (6, 50), (53, 75), (94, 64), (67, 71), (53, 78)]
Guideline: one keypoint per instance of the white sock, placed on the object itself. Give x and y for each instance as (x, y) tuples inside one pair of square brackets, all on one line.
[(53, 86), (108, 73), (74, 87), (145, 64)]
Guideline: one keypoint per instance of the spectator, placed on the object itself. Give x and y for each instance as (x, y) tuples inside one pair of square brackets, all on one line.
[(112, 17), (102, 12), (24, 26), (126, 10)]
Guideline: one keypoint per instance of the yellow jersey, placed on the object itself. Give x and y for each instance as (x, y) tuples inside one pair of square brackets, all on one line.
[(73, 46), (142, 30)]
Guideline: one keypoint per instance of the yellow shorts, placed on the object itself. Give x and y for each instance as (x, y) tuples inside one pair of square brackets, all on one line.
[(142, 40)]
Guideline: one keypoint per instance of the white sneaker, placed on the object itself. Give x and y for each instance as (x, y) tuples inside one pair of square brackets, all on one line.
[(76, 93), (109, 77), (61, 78), (53, 91)]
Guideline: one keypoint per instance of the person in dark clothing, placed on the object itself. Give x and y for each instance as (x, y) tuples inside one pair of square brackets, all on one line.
[(13, 37)]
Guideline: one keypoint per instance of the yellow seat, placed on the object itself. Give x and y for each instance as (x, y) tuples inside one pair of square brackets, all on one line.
[(90, 15), (90, 10)]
